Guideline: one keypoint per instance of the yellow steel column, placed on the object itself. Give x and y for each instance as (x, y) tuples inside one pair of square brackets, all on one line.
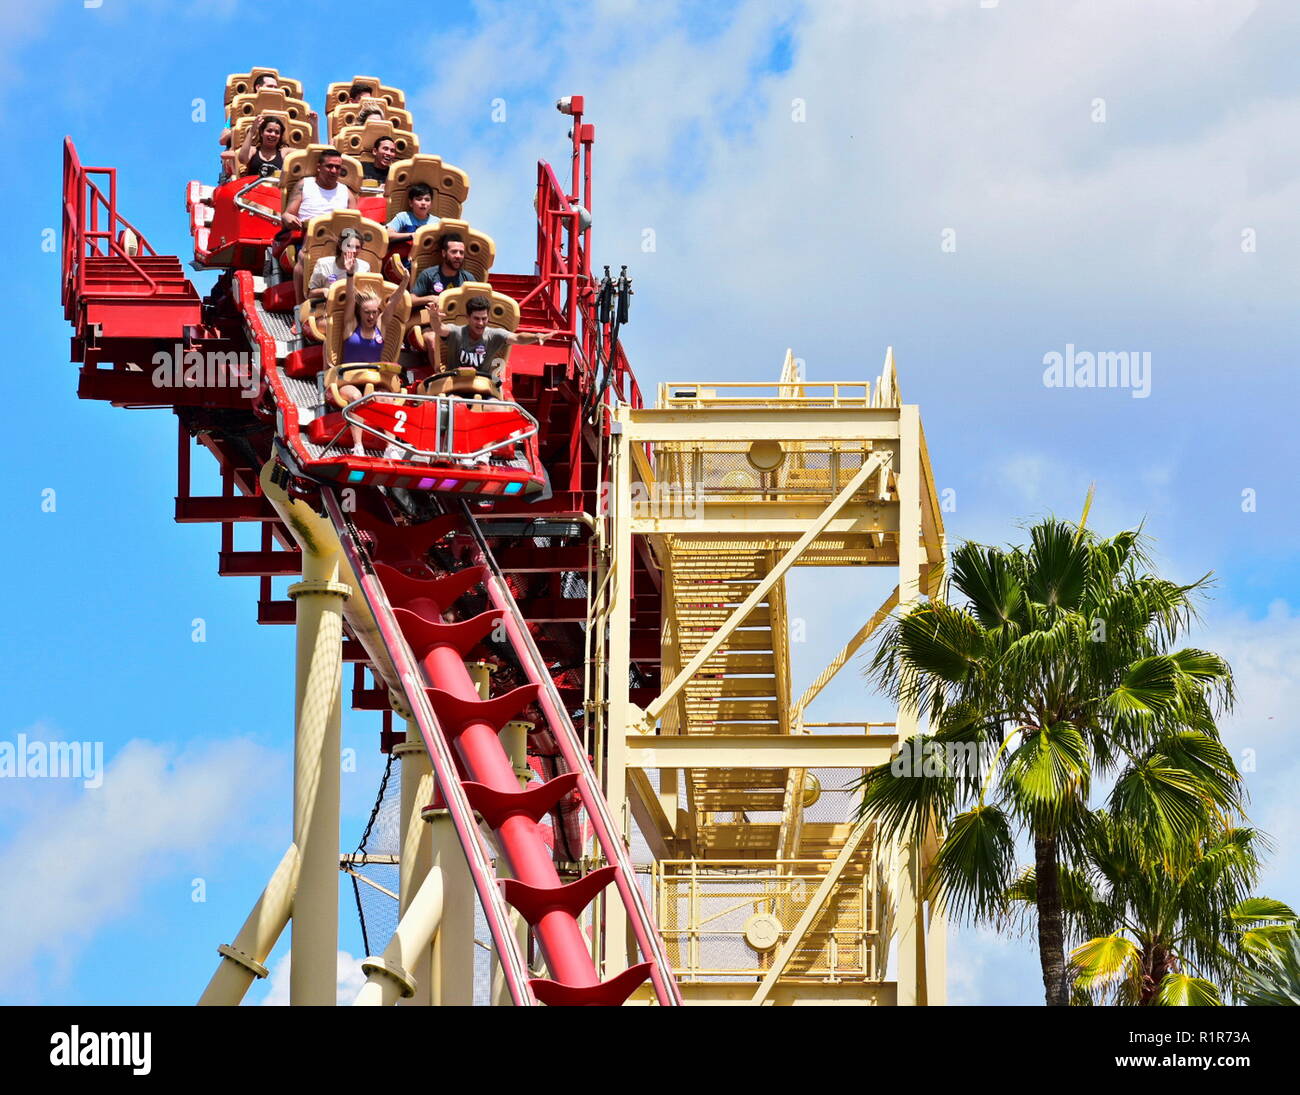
[(242, 961), (319, 597), (618, 722), (452, 979), (452, 982), (909, 916), (392, 979), (416, 857)]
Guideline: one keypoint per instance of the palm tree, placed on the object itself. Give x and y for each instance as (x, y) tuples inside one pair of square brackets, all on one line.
[(1165, 928), (1060, 663)]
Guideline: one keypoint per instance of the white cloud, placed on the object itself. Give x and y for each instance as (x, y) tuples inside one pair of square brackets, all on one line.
[(350, 980), (919, 117), (79, 861)]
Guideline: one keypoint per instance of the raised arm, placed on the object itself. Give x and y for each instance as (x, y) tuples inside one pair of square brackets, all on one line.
[(393, 302), (437, 324), (350, 306), (246, 149), (535, 339)]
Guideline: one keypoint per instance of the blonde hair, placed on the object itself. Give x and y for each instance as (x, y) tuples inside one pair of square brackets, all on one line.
[(362, 297)]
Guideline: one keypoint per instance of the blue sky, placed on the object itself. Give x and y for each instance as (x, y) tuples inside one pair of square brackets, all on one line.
[(801, 168)]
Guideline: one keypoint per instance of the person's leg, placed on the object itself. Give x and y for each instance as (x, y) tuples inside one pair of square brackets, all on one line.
[(352, 393), (299, 288)]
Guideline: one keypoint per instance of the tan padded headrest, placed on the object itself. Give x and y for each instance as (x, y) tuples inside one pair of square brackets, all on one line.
[(297, 134), (359, 141), (450, 185), (269, 100), (302, 164), (502, 312), (338, 93), (347, 114), (321, 239), (480, 250), (241, 83)]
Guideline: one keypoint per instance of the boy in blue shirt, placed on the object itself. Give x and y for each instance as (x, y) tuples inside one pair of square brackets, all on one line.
[(419, 203)]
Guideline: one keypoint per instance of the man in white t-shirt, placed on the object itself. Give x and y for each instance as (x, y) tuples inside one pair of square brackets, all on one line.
[(315, 197)]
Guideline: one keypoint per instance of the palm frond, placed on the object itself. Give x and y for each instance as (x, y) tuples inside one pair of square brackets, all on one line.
[(1047, 775), (974, 864), (1181, 990)]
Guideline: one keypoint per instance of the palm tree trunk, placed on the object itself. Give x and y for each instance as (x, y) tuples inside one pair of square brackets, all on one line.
[(1051, 924), (1157, 963)]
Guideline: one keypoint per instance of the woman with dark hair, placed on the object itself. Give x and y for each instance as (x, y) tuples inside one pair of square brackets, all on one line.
[(229, 156), (267, 158)]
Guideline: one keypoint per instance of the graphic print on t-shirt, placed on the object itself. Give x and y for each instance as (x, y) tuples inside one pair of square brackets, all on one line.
[(480, 354)]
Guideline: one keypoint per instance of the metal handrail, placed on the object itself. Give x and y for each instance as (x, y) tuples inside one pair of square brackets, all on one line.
[(514, 964), (449, 452), (575, 757), (82, 235), (256, 210)]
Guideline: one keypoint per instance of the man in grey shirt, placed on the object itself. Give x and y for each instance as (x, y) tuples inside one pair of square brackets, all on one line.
[(475, 345)]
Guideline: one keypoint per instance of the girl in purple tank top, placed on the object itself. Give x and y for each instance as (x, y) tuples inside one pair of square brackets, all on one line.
[(364, 320)]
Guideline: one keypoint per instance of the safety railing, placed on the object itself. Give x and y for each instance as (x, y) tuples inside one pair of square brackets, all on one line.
[(561, 259), (93, 228), (747, 393), (564, 283), (444, 447), (722, 471), (727, 919)]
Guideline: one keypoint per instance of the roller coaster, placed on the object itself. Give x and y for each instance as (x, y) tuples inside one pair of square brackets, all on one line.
[(569, 608)]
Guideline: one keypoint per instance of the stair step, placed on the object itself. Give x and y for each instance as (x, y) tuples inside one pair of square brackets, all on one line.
[(736, 799), (691, 641), (744, 778), (730, 688)]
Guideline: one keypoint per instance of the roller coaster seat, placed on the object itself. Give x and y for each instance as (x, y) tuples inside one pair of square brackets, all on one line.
[(346, 114), (301, 164), (359, 141), (480, 250), (381, 374), (269, 99), (241, 83), (450, 185), (338, 92), (502, 312), (320, 239), (297, 133)]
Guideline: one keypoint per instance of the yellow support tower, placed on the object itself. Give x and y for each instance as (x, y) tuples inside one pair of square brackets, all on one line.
[(760, 898)]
